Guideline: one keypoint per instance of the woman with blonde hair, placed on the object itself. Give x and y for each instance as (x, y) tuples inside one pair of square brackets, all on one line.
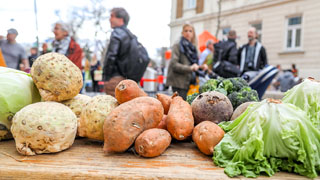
[(184, 61)]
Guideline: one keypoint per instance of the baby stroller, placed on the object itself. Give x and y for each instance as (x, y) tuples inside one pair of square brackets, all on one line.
[(260, 80)]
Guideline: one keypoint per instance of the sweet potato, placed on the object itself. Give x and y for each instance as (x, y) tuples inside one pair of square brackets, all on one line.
[(128, 120), (152, 142), (207, 135), (180, 122), (163, 123), (166, 101), (211, 106), (127, 90)]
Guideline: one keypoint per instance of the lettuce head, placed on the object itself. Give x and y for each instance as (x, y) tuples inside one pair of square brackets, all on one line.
[(16, 91), (270, 136), (306, 96)]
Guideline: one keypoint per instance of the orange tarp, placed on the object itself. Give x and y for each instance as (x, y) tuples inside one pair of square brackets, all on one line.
[(203, 38), (2, 62)]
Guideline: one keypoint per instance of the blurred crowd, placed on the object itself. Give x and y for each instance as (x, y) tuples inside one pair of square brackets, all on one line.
[(219, 58)]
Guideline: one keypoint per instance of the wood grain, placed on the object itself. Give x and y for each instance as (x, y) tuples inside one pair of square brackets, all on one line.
[(85, 160)]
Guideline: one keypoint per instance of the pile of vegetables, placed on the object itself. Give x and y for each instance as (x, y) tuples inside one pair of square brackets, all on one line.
[(237, 90), (49, 126), (225, 120)]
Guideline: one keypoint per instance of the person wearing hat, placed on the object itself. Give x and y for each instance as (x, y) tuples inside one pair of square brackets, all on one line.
[(13, 53)]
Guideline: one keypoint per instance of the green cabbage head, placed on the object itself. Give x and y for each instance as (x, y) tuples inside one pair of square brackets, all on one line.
[(306, 96), (268, 137), (16, 91)]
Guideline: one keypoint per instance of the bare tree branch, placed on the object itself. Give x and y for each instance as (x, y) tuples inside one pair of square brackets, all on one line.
[(219, 17)]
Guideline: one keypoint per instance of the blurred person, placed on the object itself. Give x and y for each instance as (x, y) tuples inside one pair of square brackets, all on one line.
[(184, 61), (44, 49), (94, 66), (275, 83), (117, 49), (228, 50), (33, 55), (286, 81), (13, 53), (206, 56), (65, 44), (294, 70), (226, 57), (252, 56)]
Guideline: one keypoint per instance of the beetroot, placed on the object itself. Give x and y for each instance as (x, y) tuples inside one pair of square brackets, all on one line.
[(211, 106)]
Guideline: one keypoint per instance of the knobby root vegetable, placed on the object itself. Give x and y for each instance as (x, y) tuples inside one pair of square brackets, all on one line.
[(93, 116), (56, 77), (76, 105), (44, 127)]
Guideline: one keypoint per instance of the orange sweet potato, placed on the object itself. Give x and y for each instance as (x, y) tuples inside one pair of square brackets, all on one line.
[(127, 90), (207, 135), (166, 101), (152, 142), (128, 120), (163, 123), (180, 122)]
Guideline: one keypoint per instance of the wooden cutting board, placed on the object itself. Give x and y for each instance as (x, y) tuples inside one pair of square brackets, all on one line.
[(85, 160)]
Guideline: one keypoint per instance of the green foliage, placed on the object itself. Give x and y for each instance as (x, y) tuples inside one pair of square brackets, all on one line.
[(237, 90), (190, 98), (17, 90), (306, 96), (210, 85), (269, 137)]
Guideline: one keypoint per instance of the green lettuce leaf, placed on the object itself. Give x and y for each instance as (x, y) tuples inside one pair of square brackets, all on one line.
[(268, 137), (16, 91), (306, 96)]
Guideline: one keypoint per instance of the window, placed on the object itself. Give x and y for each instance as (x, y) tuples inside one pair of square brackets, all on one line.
[(258, 27), (191, 4), (293, 34)]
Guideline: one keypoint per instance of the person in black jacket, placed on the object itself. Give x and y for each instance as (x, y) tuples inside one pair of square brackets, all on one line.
[(252, 56), (117, 50), (226, 57)]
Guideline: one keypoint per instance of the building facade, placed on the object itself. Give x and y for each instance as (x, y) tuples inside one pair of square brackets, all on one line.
[(288, 29)]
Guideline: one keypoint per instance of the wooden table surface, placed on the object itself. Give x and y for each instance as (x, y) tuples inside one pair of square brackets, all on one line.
[(85, 160)]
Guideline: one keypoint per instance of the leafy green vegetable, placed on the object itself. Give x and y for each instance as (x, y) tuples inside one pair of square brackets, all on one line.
[(221, 90), (190, 98), (17, 90), (227, 85), (306, 96), (238, 83), (268, 137), (210, 85), (237, 90), (246, 94)]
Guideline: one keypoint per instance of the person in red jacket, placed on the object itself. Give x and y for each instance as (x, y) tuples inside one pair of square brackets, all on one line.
[(65, 44)]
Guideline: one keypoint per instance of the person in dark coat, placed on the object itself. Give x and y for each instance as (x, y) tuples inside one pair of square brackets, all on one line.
[(252, 56), (117, 49)]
